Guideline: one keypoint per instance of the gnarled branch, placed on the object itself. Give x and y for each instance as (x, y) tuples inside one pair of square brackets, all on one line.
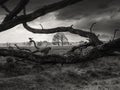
[(91, 28), (93, 38), (19, 7), (96, 52), (37, 13)]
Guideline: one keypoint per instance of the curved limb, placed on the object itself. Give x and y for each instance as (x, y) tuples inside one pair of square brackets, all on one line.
[(35, 45), (19, 7), (91, 28), (93, 38), (35, 14)]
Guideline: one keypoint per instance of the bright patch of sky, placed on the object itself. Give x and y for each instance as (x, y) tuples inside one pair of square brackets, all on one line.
[(19, 34)]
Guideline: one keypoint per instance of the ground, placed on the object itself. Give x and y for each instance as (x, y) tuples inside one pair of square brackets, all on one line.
[(99, 74)]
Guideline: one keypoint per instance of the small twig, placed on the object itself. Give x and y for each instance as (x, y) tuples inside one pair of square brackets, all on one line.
[(41, 26), (35, 45), (71, 26), (91, 28)]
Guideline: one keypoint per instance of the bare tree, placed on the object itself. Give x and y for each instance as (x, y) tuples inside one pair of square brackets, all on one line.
[(14, 18), (11, 20), (60, 38)]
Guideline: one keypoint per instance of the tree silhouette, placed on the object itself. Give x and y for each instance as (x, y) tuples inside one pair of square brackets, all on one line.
[(14, 17), (60, 39)]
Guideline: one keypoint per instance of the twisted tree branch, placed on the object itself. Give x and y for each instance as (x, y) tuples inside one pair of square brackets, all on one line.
[(9, 22), (93, 38), (96, 52), (19, 7)]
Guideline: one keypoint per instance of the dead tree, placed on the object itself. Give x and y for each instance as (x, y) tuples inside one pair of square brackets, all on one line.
[(10, 21), (97, 52), (94, 39), (14, 18)]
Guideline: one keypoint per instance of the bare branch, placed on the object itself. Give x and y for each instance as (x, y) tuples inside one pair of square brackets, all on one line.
[(91, 28), (40, 12), (35, 45), (96, 52), (93, 38), (41, 26), (19, 7)]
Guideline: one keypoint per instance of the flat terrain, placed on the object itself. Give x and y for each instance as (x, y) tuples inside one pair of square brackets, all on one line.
[(99, 74), (54, 49)]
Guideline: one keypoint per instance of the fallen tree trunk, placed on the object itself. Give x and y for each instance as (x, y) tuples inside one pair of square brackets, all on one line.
[(96, 52), (104, 50)]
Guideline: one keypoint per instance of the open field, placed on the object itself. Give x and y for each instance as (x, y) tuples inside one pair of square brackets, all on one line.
[(54, 49), (100, 74)]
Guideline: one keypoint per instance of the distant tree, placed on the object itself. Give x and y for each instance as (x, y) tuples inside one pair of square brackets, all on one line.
[(14, 17), (60, 39), (45, 43)]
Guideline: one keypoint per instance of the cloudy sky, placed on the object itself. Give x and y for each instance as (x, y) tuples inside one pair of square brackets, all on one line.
[(106, 13)]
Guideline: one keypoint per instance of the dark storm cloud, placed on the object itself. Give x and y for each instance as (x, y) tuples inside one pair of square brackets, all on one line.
[(33, 4), (105, 12), (88, 7)]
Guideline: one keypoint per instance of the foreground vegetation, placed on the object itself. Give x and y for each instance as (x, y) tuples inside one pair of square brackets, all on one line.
[(93, 65), (94, 75)]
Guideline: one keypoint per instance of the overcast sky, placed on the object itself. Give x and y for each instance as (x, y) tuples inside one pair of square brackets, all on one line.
[(105, 12)]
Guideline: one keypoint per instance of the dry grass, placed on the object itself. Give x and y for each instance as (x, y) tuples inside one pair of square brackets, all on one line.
[(100, 74)]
